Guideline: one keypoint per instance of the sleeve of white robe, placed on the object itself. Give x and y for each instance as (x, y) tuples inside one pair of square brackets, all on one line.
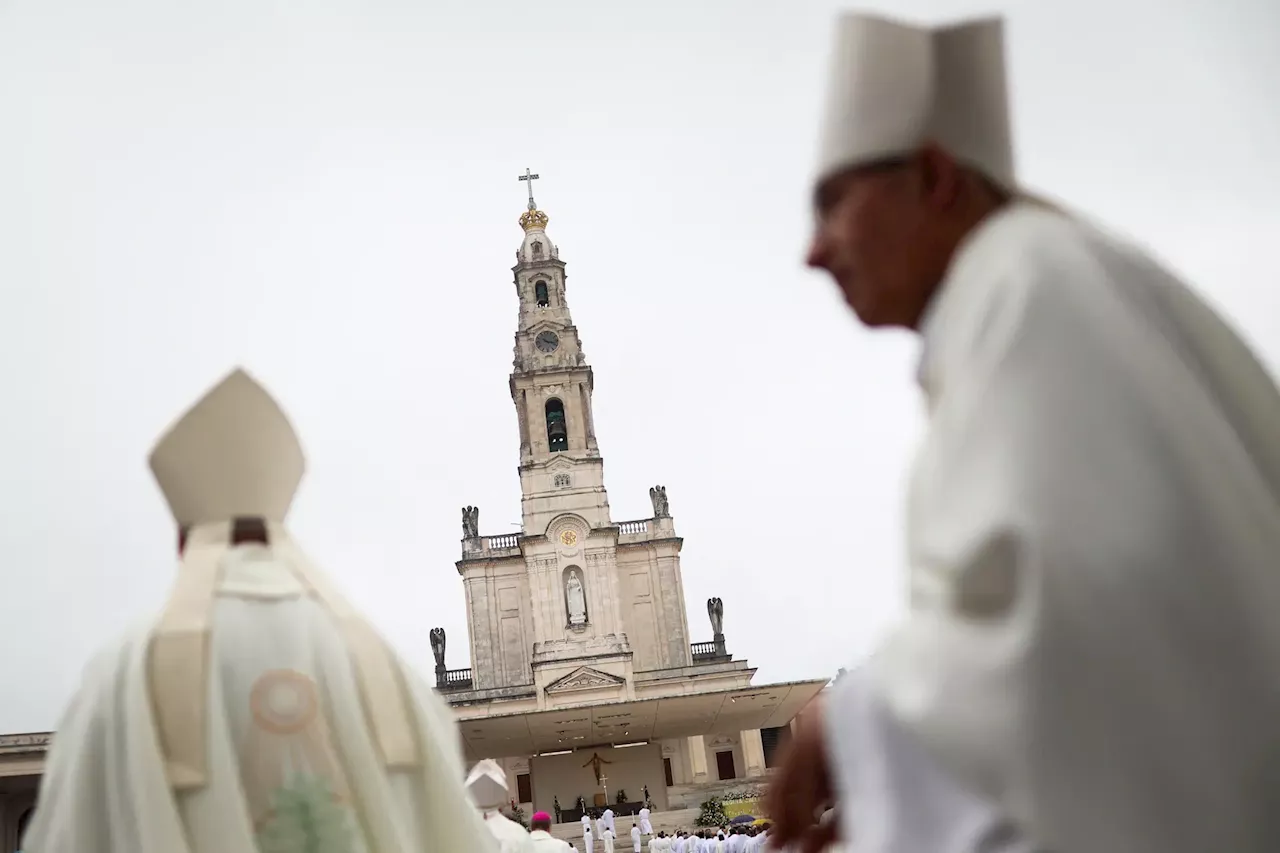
[(110, 793), (893, 797), (1092, 643)]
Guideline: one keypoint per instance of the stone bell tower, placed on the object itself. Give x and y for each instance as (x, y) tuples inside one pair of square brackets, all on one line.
[(568, 540), (551, 384), (575, 601)]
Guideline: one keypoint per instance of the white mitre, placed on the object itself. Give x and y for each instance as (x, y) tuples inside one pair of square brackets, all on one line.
[(487, 784), (895, 87), (234, 454)]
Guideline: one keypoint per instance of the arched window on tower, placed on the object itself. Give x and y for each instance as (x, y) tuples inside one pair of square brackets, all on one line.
[(557, 430), (540, 293), (537, 248)]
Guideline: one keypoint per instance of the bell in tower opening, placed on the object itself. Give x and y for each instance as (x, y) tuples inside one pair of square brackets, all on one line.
[(557, 431)]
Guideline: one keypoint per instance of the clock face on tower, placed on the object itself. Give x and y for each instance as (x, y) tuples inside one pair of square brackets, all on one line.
[(547, 341)]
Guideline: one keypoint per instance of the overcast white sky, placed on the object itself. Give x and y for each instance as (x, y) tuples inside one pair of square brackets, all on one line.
[(326, 193)]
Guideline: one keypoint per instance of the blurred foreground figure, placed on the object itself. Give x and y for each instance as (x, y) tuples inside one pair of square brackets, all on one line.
[(259, 713), (487, 786), (1091, 663)]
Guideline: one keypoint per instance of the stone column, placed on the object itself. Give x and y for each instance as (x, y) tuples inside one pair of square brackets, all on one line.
[(698, 759), (752, 752), (585, 397)]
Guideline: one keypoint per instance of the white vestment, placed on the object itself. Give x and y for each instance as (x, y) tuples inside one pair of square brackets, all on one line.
[(1093, 529), (635, 838), (645, 827), (609, 819), (511, 836), (588, 840), (607, 837), (545, 842), (898, 797), (290, 760)]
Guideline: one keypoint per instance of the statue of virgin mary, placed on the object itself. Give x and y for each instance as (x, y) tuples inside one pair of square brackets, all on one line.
[(577, 600)]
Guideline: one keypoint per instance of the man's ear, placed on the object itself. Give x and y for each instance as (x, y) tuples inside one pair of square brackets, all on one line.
[(940, 177)]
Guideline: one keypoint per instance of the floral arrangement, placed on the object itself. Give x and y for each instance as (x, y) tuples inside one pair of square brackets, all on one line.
[(712, 813)]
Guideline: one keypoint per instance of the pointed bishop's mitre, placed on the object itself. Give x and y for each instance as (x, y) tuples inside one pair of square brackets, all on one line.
[(894, 87), (232, 455), (487, 784)]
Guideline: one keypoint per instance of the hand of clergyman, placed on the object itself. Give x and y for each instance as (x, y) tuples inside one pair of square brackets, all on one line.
[(802, 790)]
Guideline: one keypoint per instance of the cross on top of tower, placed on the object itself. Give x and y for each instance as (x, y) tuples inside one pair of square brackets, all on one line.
[(530, 177), (532, 218)]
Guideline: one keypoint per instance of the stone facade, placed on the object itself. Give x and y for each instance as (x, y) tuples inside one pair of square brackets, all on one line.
[(578, 610), (523, 631), (21, 761), (577, 625)]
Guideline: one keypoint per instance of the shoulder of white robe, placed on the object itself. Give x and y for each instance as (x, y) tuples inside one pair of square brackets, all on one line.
[(1005, 261), (383, 691)]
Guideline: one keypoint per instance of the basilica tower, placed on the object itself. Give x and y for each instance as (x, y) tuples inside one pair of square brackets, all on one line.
[(575, 601), (577, 621), (551, 385)]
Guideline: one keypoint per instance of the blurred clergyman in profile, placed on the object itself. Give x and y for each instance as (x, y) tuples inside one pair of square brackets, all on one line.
[(1091, 660), (259, 713)]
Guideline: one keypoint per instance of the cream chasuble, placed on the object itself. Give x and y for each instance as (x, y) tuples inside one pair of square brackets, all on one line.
[(259, 713), (1092, 649), (510, 836)]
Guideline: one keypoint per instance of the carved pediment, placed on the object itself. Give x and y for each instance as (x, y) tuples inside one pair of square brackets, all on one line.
[(584, 678), (546, 326)]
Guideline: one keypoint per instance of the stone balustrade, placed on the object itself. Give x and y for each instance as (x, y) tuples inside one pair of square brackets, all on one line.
[(454, 679), (508, 544), (630, 528), (502, 543), (486, 547), (713, 652)]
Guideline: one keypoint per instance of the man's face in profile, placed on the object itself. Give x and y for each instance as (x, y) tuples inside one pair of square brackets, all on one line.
[(876, 233)]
